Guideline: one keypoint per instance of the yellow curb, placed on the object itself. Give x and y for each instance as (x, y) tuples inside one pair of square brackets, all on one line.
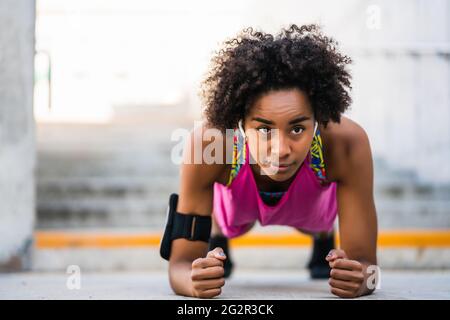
[(66, 239)]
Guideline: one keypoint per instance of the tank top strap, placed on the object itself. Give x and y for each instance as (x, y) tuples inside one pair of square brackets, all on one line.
[(239, 155), (317, 162)]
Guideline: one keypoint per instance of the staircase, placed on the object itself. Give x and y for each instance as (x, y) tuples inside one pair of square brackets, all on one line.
[(120, 176)]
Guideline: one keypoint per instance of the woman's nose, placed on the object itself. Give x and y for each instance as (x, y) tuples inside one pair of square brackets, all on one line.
[(280, 146)]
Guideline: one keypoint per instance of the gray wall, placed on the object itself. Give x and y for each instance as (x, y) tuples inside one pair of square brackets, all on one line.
[(17, 147)]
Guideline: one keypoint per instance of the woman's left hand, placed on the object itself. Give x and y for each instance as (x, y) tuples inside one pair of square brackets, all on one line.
[(347, 276)]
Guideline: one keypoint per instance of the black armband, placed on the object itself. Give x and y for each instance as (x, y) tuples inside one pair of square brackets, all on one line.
[(188, 226)]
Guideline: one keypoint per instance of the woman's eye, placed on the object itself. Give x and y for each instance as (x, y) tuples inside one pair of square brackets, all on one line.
[(264, 130), (297, 130)]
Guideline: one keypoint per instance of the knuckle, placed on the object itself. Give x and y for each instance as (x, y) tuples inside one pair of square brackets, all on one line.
[(358, 268), (196, 285), (220, 271), (210, 294), (216, 292), (334, 291), (217, 262), (195, 275), (201, 293), (336, 274), (196, 263)]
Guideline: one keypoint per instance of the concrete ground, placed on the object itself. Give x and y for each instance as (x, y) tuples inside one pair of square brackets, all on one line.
[(244, 284)]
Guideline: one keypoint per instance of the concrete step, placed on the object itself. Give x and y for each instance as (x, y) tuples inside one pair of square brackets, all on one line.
[(91, 187), (103, 211), (413, 213)]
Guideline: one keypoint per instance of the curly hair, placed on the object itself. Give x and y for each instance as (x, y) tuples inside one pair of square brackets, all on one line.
[(255, 62)]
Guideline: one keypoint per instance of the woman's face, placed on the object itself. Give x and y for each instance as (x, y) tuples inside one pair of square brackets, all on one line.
[(279, 153)]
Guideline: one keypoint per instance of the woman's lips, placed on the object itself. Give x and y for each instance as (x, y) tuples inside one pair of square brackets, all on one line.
[(280, 167)]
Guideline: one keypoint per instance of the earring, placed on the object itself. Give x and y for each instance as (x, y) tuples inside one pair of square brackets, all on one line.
[(242, 129)]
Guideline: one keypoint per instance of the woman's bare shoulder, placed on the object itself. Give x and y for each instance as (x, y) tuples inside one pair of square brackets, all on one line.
[(342, 143), (205, 158)]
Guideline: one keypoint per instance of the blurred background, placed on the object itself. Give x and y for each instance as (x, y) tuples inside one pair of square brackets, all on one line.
[(91, 91)]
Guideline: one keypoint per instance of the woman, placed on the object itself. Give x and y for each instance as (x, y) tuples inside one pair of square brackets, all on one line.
[(296, 160)]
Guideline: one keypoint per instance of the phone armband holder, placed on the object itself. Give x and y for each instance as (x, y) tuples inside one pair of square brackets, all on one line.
[(188, 226)]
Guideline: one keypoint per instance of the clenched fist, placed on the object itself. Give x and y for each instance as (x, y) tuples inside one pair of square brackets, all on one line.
[(207, 274), (347, 276)]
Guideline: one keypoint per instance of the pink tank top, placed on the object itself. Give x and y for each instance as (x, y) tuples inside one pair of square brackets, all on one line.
[(308, 204)]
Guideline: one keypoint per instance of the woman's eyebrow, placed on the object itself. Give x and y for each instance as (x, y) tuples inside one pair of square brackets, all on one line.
[(299, 119), (262, 120), (296, 120)]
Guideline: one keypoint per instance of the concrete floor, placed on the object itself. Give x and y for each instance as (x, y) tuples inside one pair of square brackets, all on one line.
[(245, 284)]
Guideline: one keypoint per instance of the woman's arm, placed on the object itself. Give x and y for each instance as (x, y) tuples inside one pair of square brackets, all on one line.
[(192, 270), (357, 218)]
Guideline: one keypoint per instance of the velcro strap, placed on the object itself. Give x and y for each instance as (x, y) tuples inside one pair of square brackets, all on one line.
[(191, 227)]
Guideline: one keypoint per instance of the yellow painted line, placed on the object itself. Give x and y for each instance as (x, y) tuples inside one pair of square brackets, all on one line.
[(404, 238), (429, 238), (272, 239), (59, 239), (51, 239)]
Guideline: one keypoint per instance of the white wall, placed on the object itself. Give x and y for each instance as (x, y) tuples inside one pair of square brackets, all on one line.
[(17, 149), (401, 86)]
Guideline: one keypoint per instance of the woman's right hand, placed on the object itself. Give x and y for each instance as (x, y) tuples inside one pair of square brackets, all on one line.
[(207, 274)]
